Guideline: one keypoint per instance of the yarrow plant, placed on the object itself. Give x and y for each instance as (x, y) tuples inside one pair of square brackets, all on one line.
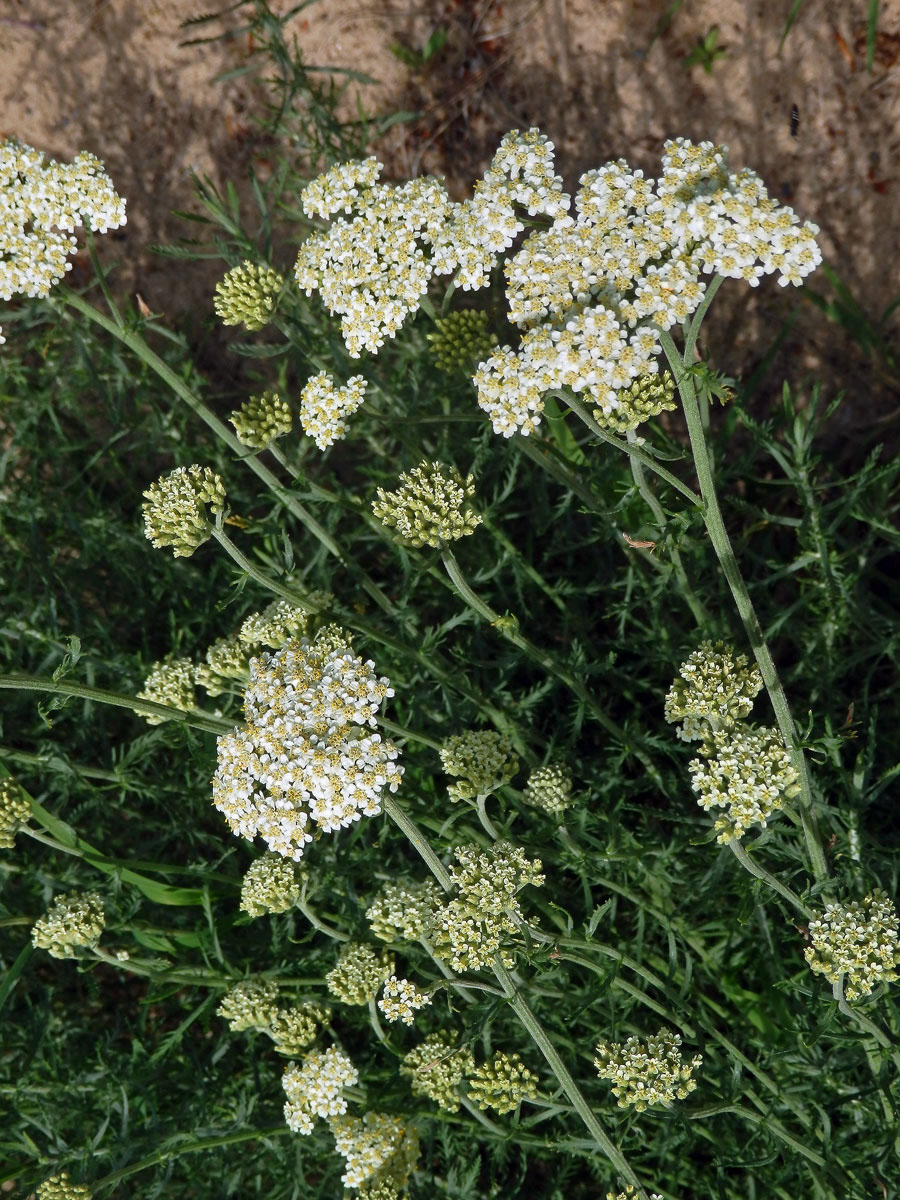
[(426, 936)]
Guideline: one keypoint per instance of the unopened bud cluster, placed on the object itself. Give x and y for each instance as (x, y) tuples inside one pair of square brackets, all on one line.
[(645, 397), (746, 772), (858, 943), (402, 912), (14, 810), (250, 1004), (549, 788), (379, 1152), (271, 885), (262, 419), (175, 508), (502, 1083), (61, 1187), (227, 665), (428, 507), (248, 295), (461, 340), (359, 972), (484, 917), (278, 622), (481, 761), (436, 1068), (73, 922), (629, 1193), (170, 682), (645, 1073)]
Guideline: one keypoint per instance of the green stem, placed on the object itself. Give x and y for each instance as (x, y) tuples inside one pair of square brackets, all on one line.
[(45, 761), (196, 720), (718, 535), (776, 885), (640, 479), (549, 663)]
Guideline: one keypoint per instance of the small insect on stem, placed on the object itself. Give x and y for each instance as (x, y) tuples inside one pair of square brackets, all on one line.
[(795, 120), (638, 545)]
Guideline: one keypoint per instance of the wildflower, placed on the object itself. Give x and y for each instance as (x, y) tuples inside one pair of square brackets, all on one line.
[(377, 1149), (359, 973), (278, 623), (643, 398), (401, 1000), (74, 921), (647, 1073), (248, 295), (857, 943), (271, 885), (293, 1029), (175, 508), (250, 1004), (461, 339), (628, 1193), (170, 682), (502, 1083), (549, 788), (469, 930), (305, 754), (14, 810), (401, 912), (324, 409), (227, 662), (480, 759), (427, 508), (715, 691), (42, 203), (262, 419), (315, 1088), (60, 1187), (437, 1067), (749, 773)]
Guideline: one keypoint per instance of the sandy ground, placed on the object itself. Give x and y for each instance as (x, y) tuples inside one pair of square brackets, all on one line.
[(112, 77)]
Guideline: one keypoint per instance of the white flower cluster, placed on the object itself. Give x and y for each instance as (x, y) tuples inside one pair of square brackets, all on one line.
[(372, 268), (427, 507), (550, 788), (250, 1004), (647, 1073), (628, 1193), (592, 291), (305, 754), (480, 759), (377, 1148), (749, 773), (272, 884), (175, 508), (316, 1088), (40, 204), (359, 973), (14, 810), (401, 912), (715, 690), (860, 942), (401, 1000), (170, 682), (73, 921), (324, 409), (437, 1066)]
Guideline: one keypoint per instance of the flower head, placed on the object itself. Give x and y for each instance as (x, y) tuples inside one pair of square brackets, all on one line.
[(248, 295), (175, 508), (646, 1073), (502, 1083), (170, 682), (402, 912), (856, 942), (715, 690), (377, 1149), (278, 623), (227, 662), (480, 759), (40, 205), (549, 788), (272, 885), (461, 339), (324, 408), (401, 999), (14, 810), (359, 973), (305, 755), (74, 921), (293, 1029), (437, 1067), (316, 1088), (427, 508), (262, 419), (749, 773), (250, 1004), (643, 398)]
